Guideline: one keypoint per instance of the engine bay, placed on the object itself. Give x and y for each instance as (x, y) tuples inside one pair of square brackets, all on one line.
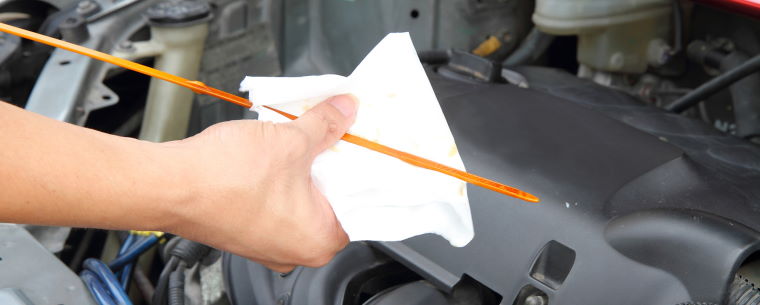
[(639, 122)]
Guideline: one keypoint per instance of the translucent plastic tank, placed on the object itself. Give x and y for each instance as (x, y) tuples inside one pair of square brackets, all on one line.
[(613, 35)]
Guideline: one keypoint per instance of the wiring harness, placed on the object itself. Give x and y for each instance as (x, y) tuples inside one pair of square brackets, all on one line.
[(182, 254), (108, 283)]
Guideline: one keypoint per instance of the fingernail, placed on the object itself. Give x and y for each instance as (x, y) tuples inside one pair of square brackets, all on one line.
[(346, 104)]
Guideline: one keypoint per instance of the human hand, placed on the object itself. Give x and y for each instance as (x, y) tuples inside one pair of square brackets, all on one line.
[(252, 190)]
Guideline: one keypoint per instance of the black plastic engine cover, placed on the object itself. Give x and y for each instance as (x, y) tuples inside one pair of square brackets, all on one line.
[(638, 206)]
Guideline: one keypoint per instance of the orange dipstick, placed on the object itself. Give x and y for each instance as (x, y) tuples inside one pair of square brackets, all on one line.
[(201, 88)]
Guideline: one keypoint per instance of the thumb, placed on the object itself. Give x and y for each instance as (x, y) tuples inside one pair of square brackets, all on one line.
[(327, 122)]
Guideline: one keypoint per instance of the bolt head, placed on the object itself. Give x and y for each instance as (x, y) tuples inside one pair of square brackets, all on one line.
[(86, 7), (535, 300), (126, 46)]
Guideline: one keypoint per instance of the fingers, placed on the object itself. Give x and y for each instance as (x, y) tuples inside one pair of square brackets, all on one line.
[(326, 123)]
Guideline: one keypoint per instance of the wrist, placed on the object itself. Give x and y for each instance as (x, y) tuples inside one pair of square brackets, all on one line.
[(175, 179)]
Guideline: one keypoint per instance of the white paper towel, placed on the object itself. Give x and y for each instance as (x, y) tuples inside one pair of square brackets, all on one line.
[(374, 196)]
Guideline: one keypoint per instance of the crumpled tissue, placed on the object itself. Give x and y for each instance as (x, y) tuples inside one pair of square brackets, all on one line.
[(374, 196)]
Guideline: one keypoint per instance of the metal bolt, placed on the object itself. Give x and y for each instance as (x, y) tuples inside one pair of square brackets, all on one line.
[(283, 299), (86, 7), (127, 46), (536, 300)]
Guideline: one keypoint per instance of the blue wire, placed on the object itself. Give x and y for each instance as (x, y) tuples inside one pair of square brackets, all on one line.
[(127, 243), (134, 251), (96, 289), (107, 277), (124, 247), (125, 274), (101, 281)]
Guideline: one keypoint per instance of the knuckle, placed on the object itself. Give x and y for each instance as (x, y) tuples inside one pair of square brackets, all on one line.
[(328, 117), (317, 257), (320, 260)]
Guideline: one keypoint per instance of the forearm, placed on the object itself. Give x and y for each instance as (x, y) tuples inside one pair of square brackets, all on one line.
[(55, 173), (221, 187)]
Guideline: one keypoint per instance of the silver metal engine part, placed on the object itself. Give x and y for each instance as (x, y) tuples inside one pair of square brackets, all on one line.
[(31, 275)]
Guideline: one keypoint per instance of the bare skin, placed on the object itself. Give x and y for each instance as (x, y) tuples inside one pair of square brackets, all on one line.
[(240, 186)]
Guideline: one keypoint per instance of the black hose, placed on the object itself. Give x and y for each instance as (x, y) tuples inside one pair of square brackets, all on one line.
[(144, 285), (159, 295), (744, 97), (714, 85), (433, 57), (189, 252), (168, 246), (183, 253), (677, 27), (531, 48), (79, 255), (177, 286)]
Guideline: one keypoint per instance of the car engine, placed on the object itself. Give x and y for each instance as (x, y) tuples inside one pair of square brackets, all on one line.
[(637, 121)]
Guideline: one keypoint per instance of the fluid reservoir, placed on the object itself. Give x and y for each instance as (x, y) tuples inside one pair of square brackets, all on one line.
[(613, 35)]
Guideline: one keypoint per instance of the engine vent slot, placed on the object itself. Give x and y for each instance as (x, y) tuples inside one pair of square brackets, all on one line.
[(553, 264)]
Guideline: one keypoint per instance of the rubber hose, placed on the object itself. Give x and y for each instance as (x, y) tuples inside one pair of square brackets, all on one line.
[(531, 48), (144, 285), (76, 261), (177, 286), (714, 85), (744, 95), (168, 246), (677, 27), (159, 294), (744, 92), (189, 252), (433, 57)]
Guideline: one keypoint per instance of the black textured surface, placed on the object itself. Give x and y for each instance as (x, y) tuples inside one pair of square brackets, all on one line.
[(658, 208)]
